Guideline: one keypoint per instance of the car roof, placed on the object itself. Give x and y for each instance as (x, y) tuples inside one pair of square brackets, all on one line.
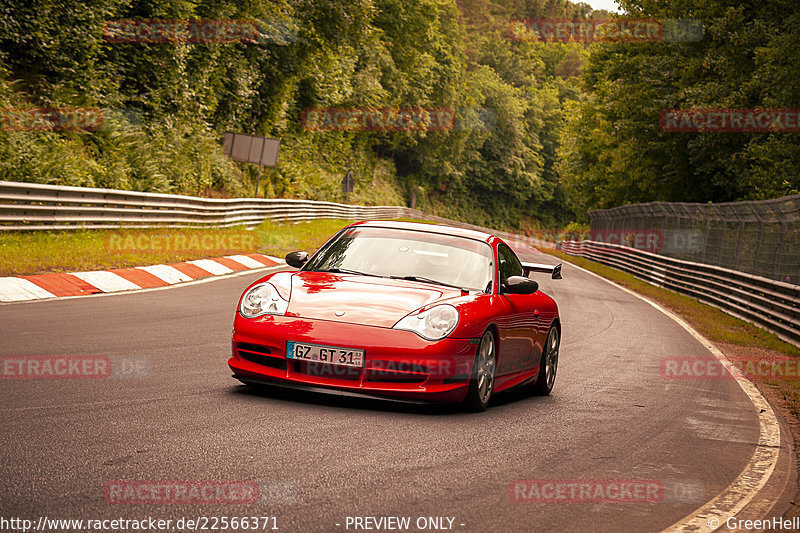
[(428, 228)]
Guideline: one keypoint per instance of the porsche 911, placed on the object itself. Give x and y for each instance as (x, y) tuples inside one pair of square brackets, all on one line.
[(401, 310)]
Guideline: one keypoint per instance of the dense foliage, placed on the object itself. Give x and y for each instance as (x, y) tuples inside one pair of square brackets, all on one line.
[(613, 151), (543, 130)]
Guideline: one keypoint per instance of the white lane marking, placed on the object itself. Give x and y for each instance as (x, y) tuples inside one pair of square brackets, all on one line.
[(211, 266), (243, 260), (107, 281), (166, 273), (19, 289), (758, 470)]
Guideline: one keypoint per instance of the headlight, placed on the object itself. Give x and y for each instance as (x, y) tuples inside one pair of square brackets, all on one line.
[(262, 299), (436, 323)]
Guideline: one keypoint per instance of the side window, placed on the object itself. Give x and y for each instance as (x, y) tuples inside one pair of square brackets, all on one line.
[(508, 265)]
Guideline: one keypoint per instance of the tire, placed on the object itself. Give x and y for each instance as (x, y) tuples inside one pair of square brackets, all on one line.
[(481, 383), (548, 364)]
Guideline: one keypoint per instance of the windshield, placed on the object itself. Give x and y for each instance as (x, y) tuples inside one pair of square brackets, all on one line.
[(408, 254)]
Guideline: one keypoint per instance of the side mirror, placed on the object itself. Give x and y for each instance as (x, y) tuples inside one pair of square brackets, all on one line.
[(557, 271), (519, 285), (297, 259)]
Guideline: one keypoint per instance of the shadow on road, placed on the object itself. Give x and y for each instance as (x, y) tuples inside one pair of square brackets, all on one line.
[(501, 400)]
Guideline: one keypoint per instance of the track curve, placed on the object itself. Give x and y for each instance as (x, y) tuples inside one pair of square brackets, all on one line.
[(611, 416)]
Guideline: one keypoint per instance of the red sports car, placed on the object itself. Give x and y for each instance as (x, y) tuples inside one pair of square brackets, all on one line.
[(401, 310)]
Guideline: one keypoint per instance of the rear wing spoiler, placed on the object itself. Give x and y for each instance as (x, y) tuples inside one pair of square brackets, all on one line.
[(554, 271)]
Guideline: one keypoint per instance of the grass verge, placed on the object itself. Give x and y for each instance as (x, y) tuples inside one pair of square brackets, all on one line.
[(40, 252), (85, 250)]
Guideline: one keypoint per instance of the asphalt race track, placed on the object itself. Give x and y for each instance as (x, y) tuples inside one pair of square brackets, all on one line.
[(319, 459)]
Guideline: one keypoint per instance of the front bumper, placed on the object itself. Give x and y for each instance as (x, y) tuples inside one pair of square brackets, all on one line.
[(398, 364)]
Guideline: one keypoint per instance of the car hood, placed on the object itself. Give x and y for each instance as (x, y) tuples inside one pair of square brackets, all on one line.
[(357, 299)]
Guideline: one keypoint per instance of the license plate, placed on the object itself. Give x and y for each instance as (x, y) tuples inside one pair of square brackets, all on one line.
[(318, 353)]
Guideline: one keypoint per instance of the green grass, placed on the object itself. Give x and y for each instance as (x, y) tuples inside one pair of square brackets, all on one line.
[(280, 238), (84, 250), (38, 252)]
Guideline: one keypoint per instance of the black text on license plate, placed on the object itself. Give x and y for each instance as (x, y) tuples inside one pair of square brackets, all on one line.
[(324, 354)]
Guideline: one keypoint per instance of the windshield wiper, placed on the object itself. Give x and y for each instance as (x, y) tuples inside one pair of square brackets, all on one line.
[(348, 271), (426, 280)]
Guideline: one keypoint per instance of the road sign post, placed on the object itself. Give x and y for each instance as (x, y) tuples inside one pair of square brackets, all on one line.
[(261, 151), (347, 185)]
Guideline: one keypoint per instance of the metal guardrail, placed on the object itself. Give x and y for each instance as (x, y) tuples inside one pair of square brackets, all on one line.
[(773, 305), (32, 206)]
